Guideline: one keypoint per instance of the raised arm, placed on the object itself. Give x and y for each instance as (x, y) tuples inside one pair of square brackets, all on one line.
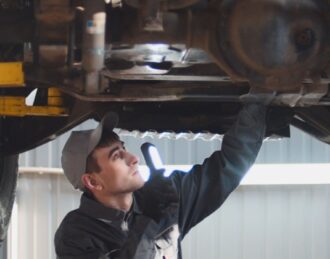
[(207, 186)]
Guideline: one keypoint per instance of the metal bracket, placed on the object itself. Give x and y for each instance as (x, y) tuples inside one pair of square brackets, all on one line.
[(309, 94), (152, 16)]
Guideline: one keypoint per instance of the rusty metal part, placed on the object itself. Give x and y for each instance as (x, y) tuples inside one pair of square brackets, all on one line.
[(151, 15), (159, 76), (175, 28), (231, 37), (277, 49), (135, 71), (50, 11), (307, 95), (283, 42), (156, 53), (122, 87), (53, 19), (53, 56)]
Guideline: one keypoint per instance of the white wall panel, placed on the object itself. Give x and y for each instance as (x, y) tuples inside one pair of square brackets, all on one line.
[(256, 222), (42, 201), (269, 222)]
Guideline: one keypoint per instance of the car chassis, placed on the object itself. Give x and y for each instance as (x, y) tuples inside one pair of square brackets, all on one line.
[(162, 65)]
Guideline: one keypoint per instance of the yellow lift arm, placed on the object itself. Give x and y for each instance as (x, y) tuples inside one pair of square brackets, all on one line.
[(12, 75)]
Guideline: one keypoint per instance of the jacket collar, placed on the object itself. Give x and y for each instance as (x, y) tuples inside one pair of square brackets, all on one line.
[(91, 207)]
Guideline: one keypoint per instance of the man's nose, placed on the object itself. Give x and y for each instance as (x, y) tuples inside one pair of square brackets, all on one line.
[(132, 159)]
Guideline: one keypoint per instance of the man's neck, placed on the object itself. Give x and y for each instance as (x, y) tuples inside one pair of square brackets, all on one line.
[(121, 202)]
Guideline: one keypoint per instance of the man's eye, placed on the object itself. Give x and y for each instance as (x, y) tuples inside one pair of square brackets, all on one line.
[(115, 156), (118, 154), (121, 153)]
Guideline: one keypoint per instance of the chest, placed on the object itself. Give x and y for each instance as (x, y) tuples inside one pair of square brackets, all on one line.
[(144, 240)]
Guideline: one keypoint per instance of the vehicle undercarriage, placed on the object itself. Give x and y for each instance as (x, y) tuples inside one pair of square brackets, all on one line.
[(162, 65)]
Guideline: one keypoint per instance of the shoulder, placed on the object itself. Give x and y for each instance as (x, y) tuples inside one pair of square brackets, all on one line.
[(72, 225), (69, 236), (69, 222), (72, 218)]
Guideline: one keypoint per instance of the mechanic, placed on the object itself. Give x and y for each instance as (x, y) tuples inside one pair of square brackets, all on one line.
[(120, 216)]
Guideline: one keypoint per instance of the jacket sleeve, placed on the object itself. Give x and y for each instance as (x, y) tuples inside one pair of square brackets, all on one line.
[(206, 186)]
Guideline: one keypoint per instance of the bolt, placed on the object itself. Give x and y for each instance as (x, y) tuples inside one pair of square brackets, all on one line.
[(304, 39)]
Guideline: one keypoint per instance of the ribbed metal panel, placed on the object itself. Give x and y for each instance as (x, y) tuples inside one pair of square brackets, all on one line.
[(286, 222), (256, 222), (41, 203), (300, 148)]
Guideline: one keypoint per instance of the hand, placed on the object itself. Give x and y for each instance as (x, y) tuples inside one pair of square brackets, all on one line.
[(258, 95), (158, 195), (278, 120)]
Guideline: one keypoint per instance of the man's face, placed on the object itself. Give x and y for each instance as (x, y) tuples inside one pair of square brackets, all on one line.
[(119, 169)]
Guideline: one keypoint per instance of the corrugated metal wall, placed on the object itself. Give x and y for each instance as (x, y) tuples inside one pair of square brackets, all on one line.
[(266, 222), (256, 222), (300, 148)]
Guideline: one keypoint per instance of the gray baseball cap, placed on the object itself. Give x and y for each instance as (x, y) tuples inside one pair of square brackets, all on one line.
[(79, 145)]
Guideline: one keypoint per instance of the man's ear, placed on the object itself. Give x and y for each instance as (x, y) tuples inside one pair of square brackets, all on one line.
[(90, 182)]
